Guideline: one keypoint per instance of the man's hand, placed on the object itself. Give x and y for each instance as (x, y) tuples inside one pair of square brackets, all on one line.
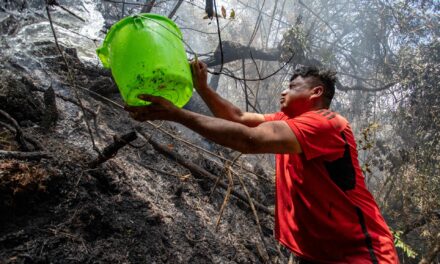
[(199, 74), (219, 106), (159, 109)]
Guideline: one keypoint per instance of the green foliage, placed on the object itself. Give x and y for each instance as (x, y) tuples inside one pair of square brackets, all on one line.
[(398, 242), (366, 143), (294, 40)]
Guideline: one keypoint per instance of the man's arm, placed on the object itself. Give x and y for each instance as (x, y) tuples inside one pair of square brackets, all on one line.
[(269, 137), (219, 106)]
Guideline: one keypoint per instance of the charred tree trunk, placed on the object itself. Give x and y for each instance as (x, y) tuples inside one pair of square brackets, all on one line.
[(233, 51)]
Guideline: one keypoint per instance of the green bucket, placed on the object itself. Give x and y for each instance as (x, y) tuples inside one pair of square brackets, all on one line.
[(146, 56)]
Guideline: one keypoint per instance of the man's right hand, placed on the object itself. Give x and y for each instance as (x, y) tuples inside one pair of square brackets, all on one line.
[(199, 74), (219, 106)]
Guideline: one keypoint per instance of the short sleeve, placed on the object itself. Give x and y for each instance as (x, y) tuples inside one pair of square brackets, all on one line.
[(318, 136), (275, 117)]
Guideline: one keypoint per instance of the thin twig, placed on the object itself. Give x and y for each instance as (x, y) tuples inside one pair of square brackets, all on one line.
[(255, 63), (133, 3), (221, 176), (257, 24), (254, 211), (71, 80), (228, 191), (243, 67), (70, 12), (227, 195), (254, 79), (317, 16), (219, 39), (176, 7)]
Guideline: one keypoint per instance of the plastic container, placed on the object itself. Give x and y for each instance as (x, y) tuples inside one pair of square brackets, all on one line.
[(146, 56)]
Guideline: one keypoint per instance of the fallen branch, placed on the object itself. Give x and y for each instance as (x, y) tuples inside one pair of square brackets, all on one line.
[(111, 150), (18, 132), (36, 155), (37, 145), (195, 169)]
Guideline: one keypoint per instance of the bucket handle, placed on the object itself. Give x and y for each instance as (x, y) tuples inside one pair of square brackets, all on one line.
[(138, 22)]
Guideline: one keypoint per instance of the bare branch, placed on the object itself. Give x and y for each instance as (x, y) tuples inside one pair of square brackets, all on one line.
[(176, 7), (255, 79), (235, 51), (363, 88), (316, 15)]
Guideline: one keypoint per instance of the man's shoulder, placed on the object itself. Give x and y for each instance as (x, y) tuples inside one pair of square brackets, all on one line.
[(275, 116), (325, 117)]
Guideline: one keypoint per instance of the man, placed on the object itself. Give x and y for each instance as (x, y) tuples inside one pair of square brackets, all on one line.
[(324, 212)]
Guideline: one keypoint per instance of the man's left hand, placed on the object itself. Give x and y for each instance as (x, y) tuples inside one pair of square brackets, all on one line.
[(159, 109)]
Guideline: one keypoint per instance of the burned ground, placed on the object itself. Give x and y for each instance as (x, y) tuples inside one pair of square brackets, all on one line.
[(137, 207)]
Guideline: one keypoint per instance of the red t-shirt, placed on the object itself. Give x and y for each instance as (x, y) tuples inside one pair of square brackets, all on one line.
[(324, 212)]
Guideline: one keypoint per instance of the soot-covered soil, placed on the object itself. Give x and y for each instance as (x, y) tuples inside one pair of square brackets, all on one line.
[(59, 210), (138, 207)]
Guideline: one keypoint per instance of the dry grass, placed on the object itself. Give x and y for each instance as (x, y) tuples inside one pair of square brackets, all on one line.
[(18, 176)]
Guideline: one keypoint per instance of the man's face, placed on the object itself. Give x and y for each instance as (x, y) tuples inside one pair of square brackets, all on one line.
[(295, 99)]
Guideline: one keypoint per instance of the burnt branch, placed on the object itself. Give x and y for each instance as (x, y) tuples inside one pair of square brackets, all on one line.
[(176, 7), (19, 136), (37, 145), (111, 150), (195, 169), (19, 155), (233, 51)]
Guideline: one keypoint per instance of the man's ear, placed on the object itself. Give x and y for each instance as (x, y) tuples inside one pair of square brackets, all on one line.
[(317, 91)]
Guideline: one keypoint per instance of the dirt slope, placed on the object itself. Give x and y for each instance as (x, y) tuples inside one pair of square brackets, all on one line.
[(59, 210)]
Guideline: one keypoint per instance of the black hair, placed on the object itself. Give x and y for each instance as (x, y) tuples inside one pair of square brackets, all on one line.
[(326, 78)]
